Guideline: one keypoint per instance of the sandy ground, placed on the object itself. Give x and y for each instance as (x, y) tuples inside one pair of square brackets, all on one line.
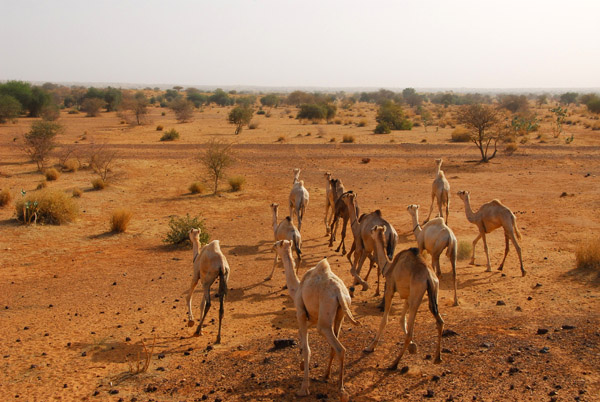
[(77, 302)]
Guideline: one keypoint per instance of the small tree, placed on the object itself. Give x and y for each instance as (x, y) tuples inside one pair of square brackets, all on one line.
[(217, 158), (136, 105), (270, 100), (240, 116), (10, 108), (560, 113), (569, 97), (311, 111), (393, 116), (92, 106), (480, 119), (183, 108), (101, 159), (40, 140)]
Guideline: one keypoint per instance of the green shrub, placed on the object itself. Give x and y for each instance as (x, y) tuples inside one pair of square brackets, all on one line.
[(5, 198), (73, 111), (119, 220), (196, 188), (261, 112), (348, 139), (170, 135), (511, 147), (461, 134), (393, 115), (382, 128), (464, 250), (236, 183), (51, 174), (46, 206), (179, 228), (98, 184)]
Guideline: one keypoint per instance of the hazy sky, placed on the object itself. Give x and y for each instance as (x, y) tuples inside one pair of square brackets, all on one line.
[(345, 43)]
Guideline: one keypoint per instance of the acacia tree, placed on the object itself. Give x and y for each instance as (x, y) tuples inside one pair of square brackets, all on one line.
[(40, 140), (216, 159), (183, 108), (480, 120), (240, 115), (137, 105)]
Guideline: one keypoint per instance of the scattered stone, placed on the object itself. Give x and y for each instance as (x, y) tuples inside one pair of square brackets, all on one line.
[(114, 284), (429, 394), (321, 396), (500, 303), (366, 160), (179, 367), (186, 353), (551, 393), (283, 343), (518, 308), (25, 328), (545, 349), (150, 388), (32, 366), (161, 356), (427, 357), (537, 285), (542, 331), (127, 339), (113, 391), (445, 350), (529, 298), (510, 359), (486, 345), (448, 332), (96, 393), (568, 327), (160, 368), (83, 354), (209, 348), (513, 370), (435, 378), (404, 370)]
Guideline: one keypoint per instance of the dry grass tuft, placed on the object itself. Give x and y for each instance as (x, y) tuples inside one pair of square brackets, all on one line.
[(237, 182), (511, 147), (42, 185), (197, 188), (460, 134), (5, 198), (348, 139), (159, 128), (170, 135), (587, 255), (51, 174), (119, 220), (98, 184), (46, 206), (77, 192), (465, 249), (71, 165)]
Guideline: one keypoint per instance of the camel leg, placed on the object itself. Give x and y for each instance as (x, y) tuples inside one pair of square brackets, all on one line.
[(299, 215), (447, 209), (305, 349), (506, 247), (355, 270), (349, 255), (378, 279), (435, 261), (327, 331), (473, 249), (333, 230), (414, 301), (221, 314), (440, 205), (291, 214), (388, 296), (453, 263), (412, 347), (487, 253), (188, 297), (337, 325), (342, 245), (268, 278), (326, 220), (518, 248), (439, 322), (430, 208), (204, 308)]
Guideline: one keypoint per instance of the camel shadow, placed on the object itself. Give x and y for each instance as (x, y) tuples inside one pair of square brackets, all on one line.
[(104, 235), (589, 275), (10, 223)]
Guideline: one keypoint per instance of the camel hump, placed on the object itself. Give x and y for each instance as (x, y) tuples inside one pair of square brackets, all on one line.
[(323, 265), (378, 212), (414, 250), (496, 202), (287, 218)]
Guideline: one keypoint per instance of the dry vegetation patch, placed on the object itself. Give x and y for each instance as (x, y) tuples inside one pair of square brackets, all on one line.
[(119, 220), (46, 206)]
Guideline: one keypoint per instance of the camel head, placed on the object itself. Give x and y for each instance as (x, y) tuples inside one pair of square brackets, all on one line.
[(282, 246), (438, 162), (463, 194), (412, 208), (350, 196), (327, 176), (194, 234), (274, 206)]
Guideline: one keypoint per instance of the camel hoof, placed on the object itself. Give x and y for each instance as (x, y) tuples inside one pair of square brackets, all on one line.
[(197, 334), (393, 367), (344, 397), (437, 360), (303, 392), (472, 262), (218, 341), (365, 286), (456, 303), (268, 278), (523, 272), (412, 348), (500, 267), (343, 252), (376, 294), (368, 350), (489, 269), (191, 323)]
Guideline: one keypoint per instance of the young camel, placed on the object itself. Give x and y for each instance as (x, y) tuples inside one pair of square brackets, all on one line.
[(435, 236), (489, 217), (409, 275), (209, 263), (364, 245), (285, 230), (298, 200), (322, 299), (440, 189)]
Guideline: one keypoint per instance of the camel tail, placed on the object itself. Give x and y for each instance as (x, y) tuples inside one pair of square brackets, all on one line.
[(222, 281), (391, 245), (432, 295), (517, 233), (345, 307), (451, 250), (296, 242)]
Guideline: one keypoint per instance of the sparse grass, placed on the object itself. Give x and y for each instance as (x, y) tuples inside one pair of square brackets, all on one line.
[(42, 185), (5, 198), (348, 139), (361, 123), (510, 148), (237, 182), (281, 138), (332, 139), (460, 134), (197, 188), (170, 135), (587, 255), (98, 184), (71, 165), (46, 206), (119, 220), (465, 249), (51, 174), (159, 128), (77, 192), (179, 228), (253, 126)]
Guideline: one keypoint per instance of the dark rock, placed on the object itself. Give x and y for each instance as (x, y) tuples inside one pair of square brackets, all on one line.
[(404, 370), (161, 356), (529, 298), (542, 331), (84, 354), (435, 378), (96, 393), (150, 388), (448, 332), (127, 339), (518, 308), (513, 370), (568, 327), (209, 348), (186, 353), (283, 343), (510, 359), (500, 303), (429, 394), (321, 396), (545, 349), (160, 369), (444, 350), (486, 345), (113, 391)]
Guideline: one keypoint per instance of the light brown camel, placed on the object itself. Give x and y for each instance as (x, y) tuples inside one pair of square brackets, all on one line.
[(440, 190), (340, 211), (329, 202), (489, 217), (298, 201), (335, 189), (296, 175), (322, 299), (209, 263), (285, 230), (364, 245), (435, 236), (410, 276)]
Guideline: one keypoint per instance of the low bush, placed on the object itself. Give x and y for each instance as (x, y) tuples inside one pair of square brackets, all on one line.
[(464, 250), (461, 134), (511, 147), (98, 184), (77, 192), (47, 206), (361, 123), (281, 138), (41, 185), (170, 135), (236, 183), (253, 126), (5, 198), (51, 174), (261, 112), (159, 128), (179, 229), (382, 128), (73, 111), (196, 188), (119, 220), (587, 255), (71, 165), (348, 139)]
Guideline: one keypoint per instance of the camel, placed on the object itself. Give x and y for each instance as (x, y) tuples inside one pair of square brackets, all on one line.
[(322, 299), (489, 217), (329, 202), (435, 236), (409, 275), (340, 211), (298, 200), (440, 189), (296, 175), (285, 230), (209, 263), (363, 241)]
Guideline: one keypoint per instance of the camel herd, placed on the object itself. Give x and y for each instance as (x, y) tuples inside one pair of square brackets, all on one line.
[(322, 299)]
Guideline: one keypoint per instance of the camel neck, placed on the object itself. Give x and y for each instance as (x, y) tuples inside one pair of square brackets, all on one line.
[(416, 227), (382, 258), (468, 211), (274, 220), (352, 212), (291, 279), (195, 248)]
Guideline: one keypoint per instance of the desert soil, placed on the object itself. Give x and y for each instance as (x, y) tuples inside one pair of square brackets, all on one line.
[(78, 302)]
